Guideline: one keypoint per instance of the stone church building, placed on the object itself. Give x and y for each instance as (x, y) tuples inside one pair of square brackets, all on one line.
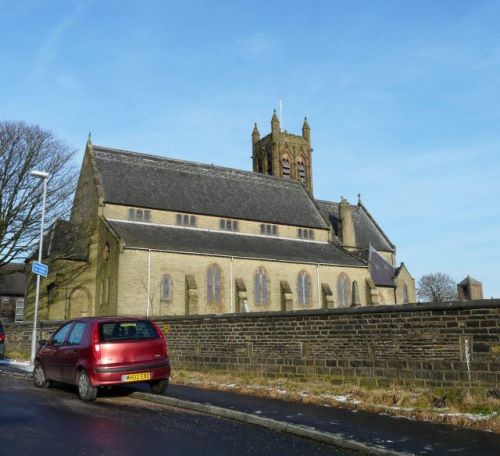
[(161, 236)]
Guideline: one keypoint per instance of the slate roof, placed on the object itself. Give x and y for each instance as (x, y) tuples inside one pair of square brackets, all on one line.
[(469, 281), (133, 179), (366, 229), (12, 280), (63, 241), (381, 270), (168, 238)]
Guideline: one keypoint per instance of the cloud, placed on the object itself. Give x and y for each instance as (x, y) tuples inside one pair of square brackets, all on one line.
[(259, 46), (50, 48)]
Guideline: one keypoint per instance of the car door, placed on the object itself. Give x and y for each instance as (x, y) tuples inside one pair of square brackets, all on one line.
[(72, 350), (50, 355)]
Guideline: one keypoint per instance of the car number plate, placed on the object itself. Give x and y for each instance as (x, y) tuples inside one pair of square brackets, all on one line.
[(136, 377)]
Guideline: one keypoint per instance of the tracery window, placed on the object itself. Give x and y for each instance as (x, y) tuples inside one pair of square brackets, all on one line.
[(304, 288), (261, 287), (343, 290), (214, 285)]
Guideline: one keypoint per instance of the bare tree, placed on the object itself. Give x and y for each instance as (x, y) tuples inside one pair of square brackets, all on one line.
[(437, 287), (24, 148)]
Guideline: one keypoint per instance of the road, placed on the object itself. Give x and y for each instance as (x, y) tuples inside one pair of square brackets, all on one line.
[(54, 421)]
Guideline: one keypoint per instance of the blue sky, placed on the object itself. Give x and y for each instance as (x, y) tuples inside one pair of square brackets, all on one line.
[(403, 99)]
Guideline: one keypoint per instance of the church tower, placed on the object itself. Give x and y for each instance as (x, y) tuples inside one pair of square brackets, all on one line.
[(283, 154)]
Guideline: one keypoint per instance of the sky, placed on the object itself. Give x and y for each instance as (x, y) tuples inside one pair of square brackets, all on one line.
[(402, 96)]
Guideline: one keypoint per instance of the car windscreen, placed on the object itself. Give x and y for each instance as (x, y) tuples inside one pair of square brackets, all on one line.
[(127, 330)]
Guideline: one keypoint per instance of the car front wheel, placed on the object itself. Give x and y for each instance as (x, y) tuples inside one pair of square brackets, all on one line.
[(159, 386), (39, 378), (86, 390)]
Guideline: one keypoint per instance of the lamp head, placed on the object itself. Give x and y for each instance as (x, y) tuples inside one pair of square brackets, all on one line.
[(40, 174)]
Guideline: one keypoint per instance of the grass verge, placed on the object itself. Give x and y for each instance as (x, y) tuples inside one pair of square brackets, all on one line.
[(475, 408)]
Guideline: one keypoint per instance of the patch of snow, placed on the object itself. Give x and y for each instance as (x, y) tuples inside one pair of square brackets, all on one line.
[(471, 416), (405, 409), (22, 365)]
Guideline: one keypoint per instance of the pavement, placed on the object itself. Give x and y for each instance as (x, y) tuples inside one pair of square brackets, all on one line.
[(371, 433), (375, 433)]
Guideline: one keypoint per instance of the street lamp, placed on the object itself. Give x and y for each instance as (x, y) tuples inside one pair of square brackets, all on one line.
[(44, 176)]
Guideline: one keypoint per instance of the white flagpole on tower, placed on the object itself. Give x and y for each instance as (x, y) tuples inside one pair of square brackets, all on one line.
[(281, 114)]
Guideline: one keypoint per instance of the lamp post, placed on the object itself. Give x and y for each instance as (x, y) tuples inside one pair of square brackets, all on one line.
[(44, 176)]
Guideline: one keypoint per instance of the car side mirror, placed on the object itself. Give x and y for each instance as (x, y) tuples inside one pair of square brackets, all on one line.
[(42, 342)]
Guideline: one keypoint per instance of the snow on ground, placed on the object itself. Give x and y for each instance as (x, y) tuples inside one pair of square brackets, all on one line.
[(349, 400), (472, 416), (23, 365)]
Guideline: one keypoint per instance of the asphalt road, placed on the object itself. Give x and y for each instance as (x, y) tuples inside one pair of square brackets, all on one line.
[(54, 421)]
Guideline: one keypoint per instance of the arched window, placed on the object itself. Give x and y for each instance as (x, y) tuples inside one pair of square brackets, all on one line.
[(214, 285), (285, 166), (304, 289), (301, 170), (260, 168), (343, 290), (261, 287), (406, 296), (166, 288), (356, 299)]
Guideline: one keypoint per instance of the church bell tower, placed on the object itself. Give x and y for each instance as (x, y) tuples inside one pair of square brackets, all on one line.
[(283, 154)]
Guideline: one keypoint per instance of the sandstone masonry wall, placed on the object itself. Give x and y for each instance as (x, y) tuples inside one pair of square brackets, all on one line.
[(429, 344)]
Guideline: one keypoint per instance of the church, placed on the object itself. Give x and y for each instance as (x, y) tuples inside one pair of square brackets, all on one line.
[(150, 235)]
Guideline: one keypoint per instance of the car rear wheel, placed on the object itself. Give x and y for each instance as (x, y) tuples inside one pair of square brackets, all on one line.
[(86, 390), (159, 386), (39, 378)]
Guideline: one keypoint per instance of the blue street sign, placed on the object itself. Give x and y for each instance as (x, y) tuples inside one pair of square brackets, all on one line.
[(40, 269)]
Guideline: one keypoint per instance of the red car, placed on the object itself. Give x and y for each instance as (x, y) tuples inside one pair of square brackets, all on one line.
[(104, 351)]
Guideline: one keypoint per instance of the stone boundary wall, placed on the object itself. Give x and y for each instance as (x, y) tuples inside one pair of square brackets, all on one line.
[(425, 344)]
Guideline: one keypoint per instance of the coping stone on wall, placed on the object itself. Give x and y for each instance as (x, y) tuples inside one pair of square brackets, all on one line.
[(420, 307)]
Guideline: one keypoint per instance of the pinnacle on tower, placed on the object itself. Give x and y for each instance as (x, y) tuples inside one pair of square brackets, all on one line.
[(255, 134), (275, 124), (306, 130)]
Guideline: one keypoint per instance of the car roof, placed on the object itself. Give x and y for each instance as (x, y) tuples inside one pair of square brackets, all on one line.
[(109, 319)]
